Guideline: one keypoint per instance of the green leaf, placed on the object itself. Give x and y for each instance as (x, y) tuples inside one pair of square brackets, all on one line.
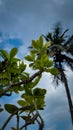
[(15, 60), (41, 39), (15, 89), (13, 52), (48, 63), (40, 103), (28, 90), (30, 65), (28, 98), (20, 88), (34, 51), (22, 66), (47, 44), (43, 92), (21, 102), (39, 92), (24, 76), (32, 54), (29, 58), (10, 108), (34, 45), (54, 71), (36, 81), (4, 54), (40, 42)]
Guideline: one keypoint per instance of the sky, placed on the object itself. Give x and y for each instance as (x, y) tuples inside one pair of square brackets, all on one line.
[(24, 20)]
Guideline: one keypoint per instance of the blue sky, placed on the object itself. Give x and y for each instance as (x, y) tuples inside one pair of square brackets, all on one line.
[(24, 20)]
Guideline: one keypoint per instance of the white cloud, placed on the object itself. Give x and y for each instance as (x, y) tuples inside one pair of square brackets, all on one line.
[(29, 19)]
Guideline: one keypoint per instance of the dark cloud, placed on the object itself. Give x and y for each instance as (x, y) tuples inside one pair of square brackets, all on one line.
[(65, 10), (30, 19)]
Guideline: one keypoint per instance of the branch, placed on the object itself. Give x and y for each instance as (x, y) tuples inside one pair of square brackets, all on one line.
[(10, 117), (41, 124), (7, 94), (22, 82), (17, 121), (30, 121)]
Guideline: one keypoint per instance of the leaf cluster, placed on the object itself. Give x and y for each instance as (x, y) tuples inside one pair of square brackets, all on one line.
[(14, 78)]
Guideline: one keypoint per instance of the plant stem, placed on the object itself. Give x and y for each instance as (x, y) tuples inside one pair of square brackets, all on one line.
[(22, 82)]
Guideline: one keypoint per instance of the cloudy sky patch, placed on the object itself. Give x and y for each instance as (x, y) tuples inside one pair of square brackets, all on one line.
[(24, 20)]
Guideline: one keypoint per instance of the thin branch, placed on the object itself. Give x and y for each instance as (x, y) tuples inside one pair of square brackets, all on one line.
[(41, 124), (30, 121), (64, 32), (17, 121), (22, 82), (10, 117), (7, 94)]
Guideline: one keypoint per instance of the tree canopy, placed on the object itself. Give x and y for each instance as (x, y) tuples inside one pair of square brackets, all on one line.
[(15, 79)]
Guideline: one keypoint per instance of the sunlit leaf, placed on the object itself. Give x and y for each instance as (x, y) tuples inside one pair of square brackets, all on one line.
[(40, 42), (28, 98), (47, 44), (29, 58), (54, 71), (36, 81), (22, 67), (21, 102), (13, 52), (34, 45)]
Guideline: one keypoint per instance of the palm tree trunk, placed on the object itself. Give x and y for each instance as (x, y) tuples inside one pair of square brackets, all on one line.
[(68, 94)]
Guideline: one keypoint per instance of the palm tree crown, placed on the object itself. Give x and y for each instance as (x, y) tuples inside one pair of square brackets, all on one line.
[(61, 49)]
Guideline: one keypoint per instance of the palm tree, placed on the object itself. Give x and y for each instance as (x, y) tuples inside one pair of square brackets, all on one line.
[(61, 51)]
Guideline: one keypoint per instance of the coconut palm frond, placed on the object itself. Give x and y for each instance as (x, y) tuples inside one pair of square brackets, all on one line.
[(63, 35), (48, 37), (69, 41)]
